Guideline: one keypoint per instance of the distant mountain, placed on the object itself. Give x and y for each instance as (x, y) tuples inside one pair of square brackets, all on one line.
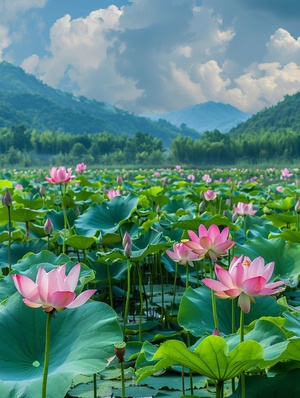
[(28, 101), (207, 116), (284, 115)]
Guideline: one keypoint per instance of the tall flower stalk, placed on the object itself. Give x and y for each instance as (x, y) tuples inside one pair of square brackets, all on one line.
[(7, 201), (53, 291), (60, 176)]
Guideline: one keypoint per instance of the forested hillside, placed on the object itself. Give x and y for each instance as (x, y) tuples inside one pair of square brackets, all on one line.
[(26, 100), (284, 115)]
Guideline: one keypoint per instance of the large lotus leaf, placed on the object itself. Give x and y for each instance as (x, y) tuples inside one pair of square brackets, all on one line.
[(80, 242), (286, 385), (82, 340), (106, 217), (292, 323), (195, 311), (288, 234), (205, 219), (26, 215), (284, 254), (281, 220), (270, 336), (18, 250), (282, 204), (57, 218), (43, 256), (182, 206), (6, 184), (150, 243), (211, 357)]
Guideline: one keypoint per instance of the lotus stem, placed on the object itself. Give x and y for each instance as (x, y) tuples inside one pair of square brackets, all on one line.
[(213, 300), (47, 355), (141, 300), (174, 289), (127, 295), (9, 239), (243, 381)]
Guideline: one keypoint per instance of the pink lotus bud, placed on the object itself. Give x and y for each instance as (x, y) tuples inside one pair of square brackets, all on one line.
[(42, 191), (119, 180), (48, 227), (127, 244), (6, 199), (297, 206)]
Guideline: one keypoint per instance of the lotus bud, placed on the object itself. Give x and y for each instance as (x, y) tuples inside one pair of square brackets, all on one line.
[(48, 227), (202, 207), (127, 244), (7, 199), (119, 180), (42, 191), (297, 206)]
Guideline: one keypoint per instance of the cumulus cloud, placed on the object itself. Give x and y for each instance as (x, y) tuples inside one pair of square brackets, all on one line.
[(4, 39), (158, 56), (9, 9)]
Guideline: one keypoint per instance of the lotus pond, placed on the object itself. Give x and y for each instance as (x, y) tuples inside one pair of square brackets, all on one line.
[(188, 284)]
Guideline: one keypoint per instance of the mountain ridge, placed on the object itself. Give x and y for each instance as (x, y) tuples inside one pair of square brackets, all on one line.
[(207, 116)]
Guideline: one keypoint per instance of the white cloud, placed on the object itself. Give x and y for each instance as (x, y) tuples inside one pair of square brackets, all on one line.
[(9, 9), (154, 55), (4, 39)]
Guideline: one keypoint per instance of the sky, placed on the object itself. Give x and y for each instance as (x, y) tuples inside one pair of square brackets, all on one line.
[(156, 56)]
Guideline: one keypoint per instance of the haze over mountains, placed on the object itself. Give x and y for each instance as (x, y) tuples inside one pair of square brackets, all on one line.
[(208, 116), (26, 100)]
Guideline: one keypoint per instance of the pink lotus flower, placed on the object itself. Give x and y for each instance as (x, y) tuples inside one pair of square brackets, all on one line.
[(112, 193), (244, 209), (182, 254), (244, 279), (59, 175), (80, 167), (191, 177), (211, 243), (210, 195), (286, 173), (53, 290)]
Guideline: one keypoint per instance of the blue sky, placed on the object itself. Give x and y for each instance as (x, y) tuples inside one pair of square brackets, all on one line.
[(150, 56)]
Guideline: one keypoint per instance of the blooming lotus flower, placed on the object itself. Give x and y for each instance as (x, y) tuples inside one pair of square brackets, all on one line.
[(244, 209), (53, 290), (210, 195), (286, 173), (244, 279), (112, 193), (182, 254), (59, 175), (80, 167), (211, 243)]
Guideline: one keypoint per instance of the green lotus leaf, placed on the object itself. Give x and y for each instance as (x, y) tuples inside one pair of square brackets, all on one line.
[(57, 218), (180, 206), (292, 323), (284, 254), (281, 220), (282, 204), (30, 201), (150, 243), (206, 220), (80, 242), (18, 250), (43, 256), (5, 184), (26, 215), (212, 356), (288, 234), (82, 340), (195, 311), (106, 217), (286, 385)]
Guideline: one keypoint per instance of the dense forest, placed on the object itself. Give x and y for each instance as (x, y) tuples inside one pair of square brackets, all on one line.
[(19, 146)]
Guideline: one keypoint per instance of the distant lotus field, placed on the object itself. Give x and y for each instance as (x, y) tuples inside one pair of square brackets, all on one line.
[(149, 282)]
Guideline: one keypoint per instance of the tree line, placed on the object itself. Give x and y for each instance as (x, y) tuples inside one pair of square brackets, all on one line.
[(20, 146)]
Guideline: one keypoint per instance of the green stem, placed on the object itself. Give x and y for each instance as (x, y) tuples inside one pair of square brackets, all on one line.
[(213, 300), (9, 239), (186, 275), (127, 295), (174, 289), (190, 372), (243, 381), (95, 384), (141, 301), (123, 379), (110, 287), (220, 389), (47, 355)]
